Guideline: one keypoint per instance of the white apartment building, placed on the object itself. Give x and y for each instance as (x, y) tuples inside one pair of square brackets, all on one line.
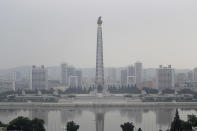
[(138, 72), (39, 78), (165, 77)]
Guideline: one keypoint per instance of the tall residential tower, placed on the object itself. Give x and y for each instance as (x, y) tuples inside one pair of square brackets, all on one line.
[(99, 59)]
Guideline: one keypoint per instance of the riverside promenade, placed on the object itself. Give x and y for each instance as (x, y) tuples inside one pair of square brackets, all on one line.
[(103, 102)]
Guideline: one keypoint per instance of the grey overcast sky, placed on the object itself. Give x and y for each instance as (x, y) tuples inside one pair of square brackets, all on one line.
[(54, 31)]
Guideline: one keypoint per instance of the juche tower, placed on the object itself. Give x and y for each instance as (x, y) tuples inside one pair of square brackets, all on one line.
[(99, 59)]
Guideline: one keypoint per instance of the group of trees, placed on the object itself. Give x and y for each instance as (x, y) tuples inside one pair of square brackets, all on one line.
[(124, 89), (151, 91), (176, 125), (180, 125), (168, 91), (78, 90), (25, 124), (72, 126), (128, 126)]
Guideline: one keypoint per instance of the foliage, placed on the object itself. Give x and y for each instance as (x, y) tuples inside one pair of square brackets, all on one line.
[(180, 125), (124, 89), (2, 124), (25, 124), (157, 99), (72, 126), (192, 119), (186, 126), (151, 91), (71, 96), (78, 90), (127, 126), (168, 91), (186, 91), (176, 123), (37, 125)]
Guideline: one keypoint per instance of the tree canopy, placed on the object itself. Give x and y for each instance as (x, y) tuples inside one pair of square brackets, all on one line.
[(25, 124), (176, 123), (72, 126), (127, 126), (180, 125)]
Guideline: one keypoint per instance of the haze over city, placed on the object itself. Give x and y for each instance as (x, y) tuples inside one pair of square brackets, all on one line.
[(51, 32), (98, 65)]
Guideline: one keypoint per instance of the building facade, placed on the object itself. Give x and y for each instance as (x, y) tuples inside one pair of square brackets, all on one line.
[(39, 78), (111, 76), (6, 85), (78, 73), (165, 77), (190, 76), (131, 78), (123, 77), (73, 81), (138, 72), (181, 78), (64, 74), (195, 74)]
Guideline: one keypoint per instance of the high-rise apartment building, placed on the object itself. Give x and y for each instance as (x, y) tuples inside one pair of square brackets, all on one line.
[(190, 76), (71, 71), (111, 76), (138, 72), (195, 74), (131, 78), (6, 85), (131, 70), (73, 81), (165, 77), (181, 78), (70, 76), (64, 74), (39, 78), (79, 77), (123, 77)]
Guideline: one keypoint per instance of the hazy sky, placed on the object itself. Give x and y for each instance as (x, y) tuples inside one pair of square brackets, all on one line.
[(54, 31)]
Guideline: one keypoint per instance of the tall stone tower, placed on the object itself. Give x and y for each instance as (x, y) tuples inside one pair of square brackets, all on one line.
[(99, 59)]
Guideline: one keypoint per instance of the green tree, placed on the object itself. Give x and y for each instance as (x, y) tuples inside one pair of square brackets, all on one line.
[(72, 126), (176, 124), (20, 123), (2, 124), (25, 124), (37, 125), (127, 126), (192, 119), (186, 126)]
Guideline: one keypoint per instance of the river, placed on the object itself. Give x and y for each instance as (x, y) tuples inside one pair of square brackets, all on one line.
[(100, 118)]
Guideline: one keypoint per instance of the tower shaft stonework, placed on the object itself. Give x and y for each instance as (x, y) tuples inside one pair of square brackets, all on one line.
[(99, 59)]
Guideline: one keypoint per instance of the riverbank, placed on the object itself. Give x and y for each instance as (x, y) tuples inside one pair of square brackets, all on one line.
[(97, 103)]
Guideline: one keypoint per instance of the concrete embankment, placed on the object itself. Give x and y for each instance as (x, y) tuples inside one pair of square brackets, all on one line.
[(99, 104)]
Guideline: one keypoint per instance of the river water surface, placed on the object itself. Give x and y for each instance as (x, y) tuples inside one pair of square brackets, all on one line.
[(100, 119)]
